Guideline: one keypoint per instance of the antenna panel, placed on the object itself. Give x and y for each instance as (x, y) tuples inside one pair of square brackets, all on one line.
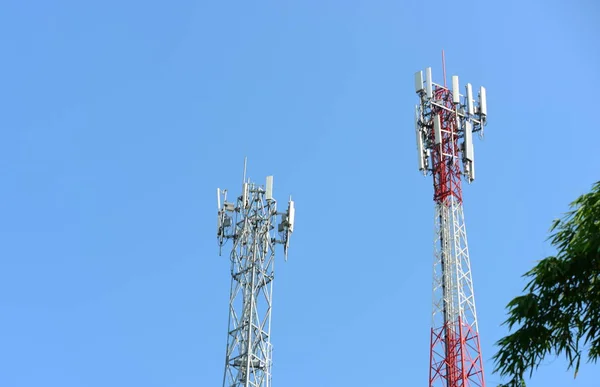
[(482, 101), (244, 195), (419, 140), (455, 90), (429, 82), (218, 225), (218, 199), (291, 216), (421, 152), (469, 99), (419, 82), (437, 129), (469, 154), (269, 188)]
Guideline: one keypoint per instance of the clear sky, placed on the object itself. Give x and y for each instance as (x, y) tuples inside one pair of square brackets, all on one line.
[(120, 118)]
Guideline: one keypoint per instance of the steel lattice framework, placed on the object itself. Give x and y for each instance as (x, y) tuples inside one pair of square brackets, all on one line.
[(249, 223), (445, 121)]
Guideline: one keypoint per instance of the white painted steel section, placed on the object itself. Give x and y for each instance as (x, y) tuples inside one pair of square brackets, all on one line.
[(453, 294)]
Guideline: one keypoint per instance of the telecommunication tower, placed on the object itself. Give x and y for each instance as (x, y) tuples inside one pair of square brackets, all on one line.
[(249, 222), (445, 121)]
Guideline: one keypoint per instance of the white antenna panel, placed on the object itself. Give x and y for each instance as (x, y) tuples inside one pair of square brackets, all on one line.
[(244, 195), (419, 82), (218, 199), (455, 89), (429, 82), (269, 188), (219, 225), (420, 150), (419, 140), (291, 216), (469, 154), (437, 129), (416, 116), (482, 101), (469, 99)]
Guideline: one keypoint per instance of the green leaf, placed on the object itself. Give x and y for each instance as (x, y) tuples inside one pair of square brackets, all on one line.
[(560, 306)]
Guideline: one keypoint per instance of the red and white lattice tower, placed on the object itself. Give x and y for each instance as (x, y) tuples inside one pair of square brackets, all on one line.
[(445, 121)]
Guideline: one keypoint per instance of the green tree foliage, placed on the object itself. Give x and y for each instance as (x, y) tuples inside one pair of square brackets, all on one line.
[(559, 311)]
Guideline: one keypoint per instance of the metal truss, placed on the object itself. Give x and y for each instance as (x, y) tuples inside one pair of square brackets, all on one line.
[(455, 352), (445, 121), (250, 224)]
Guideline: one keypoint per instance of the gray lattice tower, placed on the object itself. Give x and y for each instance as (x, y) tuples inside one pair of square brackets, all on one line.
[(249, 223)]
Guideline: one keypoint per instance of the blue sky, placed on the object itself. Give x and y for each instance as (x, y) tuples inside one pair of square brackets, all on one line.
[(119, 120)]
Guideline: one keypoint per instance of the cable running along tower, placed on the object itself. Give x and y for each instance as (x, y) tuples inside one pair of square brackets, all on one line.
[(445, 121), (249, 222)]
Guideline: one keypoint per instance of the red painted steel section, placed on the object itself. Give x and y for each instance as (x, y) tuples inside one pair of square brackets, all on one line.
[(445, 156), (455, 356)]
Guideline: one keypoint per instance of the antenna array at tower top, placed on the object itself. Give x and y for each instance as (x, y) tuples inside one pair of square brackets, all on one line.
[(249, 222), (445, 120), (437, 103)]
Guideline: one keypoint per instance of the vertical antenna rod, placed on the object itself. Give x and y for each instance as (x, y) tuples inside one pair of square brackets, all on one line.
[(444, 66), (249, 223), (444, 123)]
